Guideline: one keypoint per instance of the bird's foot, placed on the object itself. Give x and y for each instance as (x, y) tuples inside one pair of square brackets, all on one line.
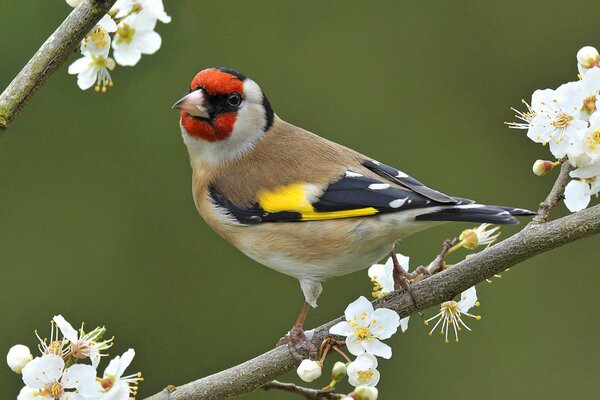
[(298, 343)]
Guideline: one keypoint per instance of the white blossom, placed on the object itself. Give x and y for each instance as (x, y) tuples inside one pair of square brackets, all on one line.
[(451, 313), (338, 371), (114, 385), (364, 327), (47, 375), (365, 393), (577, 195), (93, 69), (28, 393), (83, 345), (135, 36), (480, 236), (150, 8), (98, 41), (18, 356), (363, 371), (73, 3), (587, 57), (382, 277), (309, 370)]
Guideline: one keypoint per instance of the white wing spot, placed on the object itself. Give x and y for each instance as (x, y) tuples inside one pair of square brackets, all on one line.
[(375, 162), (379, 186), (398, 203), (352, 174), (401, 175)]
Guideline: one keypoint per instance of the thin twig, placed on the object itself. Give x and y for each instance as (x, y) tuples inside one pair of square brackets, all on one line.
[(54, 52), (536, 239), (312, 394), (555, 195)]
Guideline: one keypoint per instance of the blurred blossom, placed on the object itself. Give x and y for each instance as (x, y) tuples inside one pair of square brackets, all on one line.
[(135, 36), (451, 313), (365, 393), (364, 327)]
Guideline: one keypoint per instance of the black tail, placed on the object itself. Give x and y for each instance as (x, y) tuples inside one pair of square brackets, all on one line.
[(476, 213)]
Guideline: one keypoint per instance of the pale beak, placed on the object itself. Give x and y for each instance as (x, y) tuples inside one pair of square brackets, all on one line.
[(193, 104)]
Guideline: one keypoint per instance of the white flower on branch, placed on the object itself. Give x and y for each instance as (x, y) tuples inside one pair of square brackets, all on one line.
[(480, 236), (365, 393), (18, 356), (115, 386), (150, 8), (28, 393), (92, 69), (309, 370), (364, 327), (48, 376), (97, 42), (363, 371), (83, 345), (451, 313), (135, 36), (382, 277), (587, 57)]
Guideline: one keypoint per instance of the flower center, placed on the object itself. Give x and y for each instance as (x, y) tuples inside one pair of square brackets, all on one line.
[(55, 347), (125, 33), (363, 333), (53, 389), (470, 239), (99, 37), (562, 120), (364, 376), (589, 104), (106, 383), (594, 140), (450, 308)]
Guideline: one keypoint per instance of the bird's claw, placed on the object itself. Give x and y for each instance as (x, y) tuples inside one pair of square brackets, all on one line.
[(298, 344)]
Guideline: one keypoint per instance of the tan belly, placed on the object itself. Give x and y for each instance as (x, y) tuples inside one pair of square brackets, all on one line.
[(316, 250)]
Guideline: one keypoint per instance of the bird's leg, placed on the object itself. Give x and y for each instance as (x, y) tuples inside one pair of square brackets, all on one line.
[(402, 278), (296, 340)]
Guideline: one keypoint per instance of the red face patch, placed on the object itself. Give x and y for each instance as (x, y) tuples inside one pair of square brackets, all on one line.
[(217, 82), (220, 129)]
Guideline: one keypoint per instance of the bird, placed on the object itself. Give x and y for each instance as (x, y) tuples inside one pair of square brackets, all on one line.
[(296, 202)]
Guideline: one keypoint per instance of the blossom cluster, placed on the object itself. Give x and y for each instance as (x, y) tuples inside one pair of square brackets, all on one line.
[(364, 327), (567, 119), (66, 368), (128, 29)]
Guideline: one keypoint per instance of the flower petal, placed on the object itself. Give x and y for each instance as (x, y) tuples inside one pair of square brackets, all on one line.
[(342, 328), (577, 195), (78, 375), (148, 42), (404, 324), (384, 323), (354, 345), (359, 311), (86, 80), (49, 366), (377, 348), (468, 298), (126, 54), (126, 359), (79, 65)]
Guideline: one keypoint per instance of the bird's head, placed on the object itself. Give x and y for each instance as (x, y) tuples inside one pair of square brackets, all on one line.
[(223, 115)]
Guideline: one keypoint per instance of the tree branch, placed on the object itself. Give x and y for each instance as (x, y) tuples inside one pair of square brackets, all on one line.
[(311, 394), (535, 239), (53, 53)]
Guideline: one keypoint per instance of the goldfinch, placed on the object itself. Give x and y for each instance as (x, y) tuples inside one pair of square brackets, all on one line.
[(294, 201)]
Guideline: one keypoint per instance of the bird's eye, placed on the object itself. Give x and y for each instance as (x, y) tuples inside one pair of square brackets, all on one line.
[(234, 99)]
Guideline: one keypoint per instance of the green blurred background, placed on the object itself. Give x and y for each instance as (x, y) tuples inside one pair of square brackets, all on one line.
[(98, 224)]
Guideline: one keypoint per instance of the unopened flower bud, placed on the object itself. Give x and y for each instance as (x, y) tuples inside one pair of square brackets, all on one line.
[(18, 356), (542, 167), (309, 370), (73, 3), (588, 57), (365, 393), (339, 371)]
